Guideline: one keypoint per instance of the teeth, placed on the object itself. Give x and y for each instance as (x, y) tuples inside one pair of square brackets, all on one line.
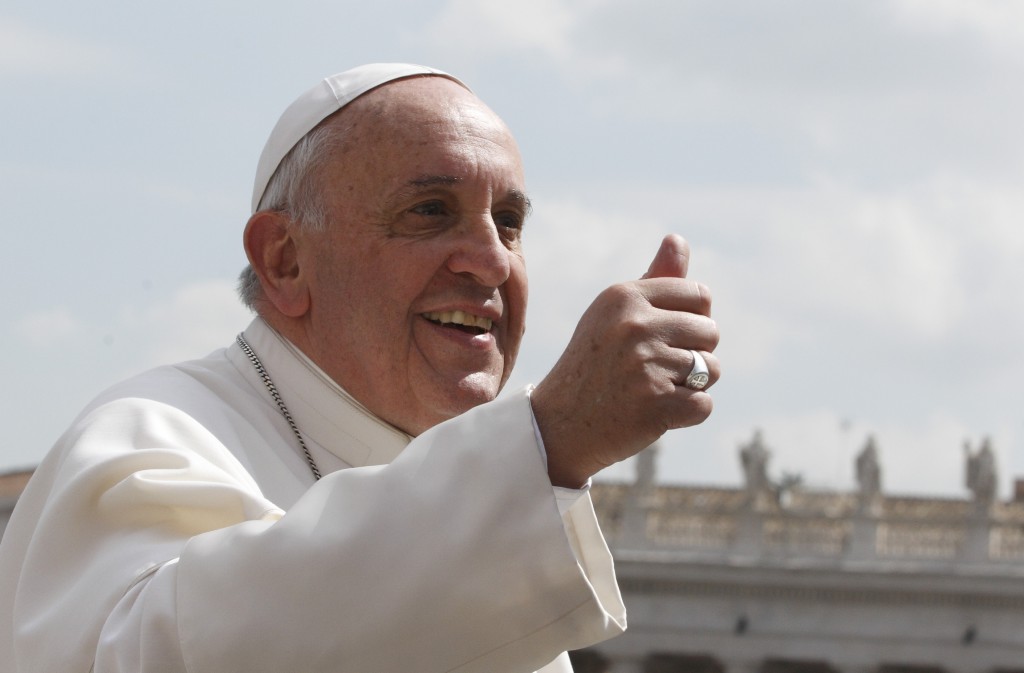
[(460, 318)]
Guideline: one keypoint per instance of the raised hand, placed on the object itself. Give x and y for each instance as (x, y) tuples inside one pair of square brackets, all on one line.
[(619, 384)]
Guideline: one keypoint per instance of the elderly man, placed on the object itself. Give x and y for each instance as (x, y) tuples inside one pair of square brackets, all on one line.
[(338, 490)]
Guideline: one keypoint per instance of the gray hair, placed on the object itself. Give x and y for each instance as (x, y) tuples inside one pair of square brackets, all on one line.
[(295, 190)]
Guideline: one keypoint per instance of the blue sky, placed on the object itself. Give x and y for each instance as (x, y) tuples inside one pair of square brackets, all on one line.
[(850, 176)]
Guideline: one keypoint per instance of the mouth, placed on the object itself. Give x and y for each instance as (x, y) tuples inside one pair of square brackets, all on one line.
[(460, 320)]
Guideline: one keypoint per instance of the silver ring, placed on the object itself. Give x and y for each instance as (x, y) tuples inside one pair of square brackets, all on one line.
[(698, 377)]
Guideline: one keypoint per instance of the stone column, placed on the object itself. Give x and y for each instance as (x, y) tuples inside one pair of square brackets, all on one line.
[(749, 539), (633, 529), (977, 541), (863, 537), (639, 501)]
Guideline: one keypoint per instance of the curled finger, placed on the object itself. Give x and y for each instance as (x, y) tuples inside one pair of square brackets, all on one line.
[(702, 372)]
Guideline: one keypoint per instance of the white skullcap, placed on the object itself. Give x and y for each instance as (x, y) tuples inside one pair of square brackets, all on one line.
[(323, 100)]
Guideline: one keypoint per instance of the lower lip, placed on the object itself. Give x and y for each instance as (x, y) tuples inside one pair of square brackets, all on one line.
[(484, 340)]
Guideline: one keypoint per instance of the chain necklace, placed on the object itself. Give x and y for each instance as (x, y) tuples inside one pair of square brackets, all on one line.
[(261, 370)]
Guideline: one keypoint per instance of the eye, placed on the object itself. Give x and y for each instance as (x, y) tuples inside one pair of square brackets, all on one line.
[(430, 209), (510, 222)]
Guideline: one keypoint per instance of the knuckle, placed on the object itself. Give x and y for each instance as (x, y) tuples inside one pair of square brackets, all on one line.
[(714, 336), (618, 294), (694, 410), (703, 297), (634, 329)]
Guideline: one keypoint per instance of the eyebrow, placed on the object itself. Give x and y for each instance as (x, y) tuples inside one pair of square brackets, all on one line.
[(432, 180), (520, 197), (517, 196)]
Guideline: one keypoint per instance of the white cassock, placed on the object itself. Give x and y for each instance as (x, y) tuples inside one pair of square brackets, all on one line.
[(176, 528)]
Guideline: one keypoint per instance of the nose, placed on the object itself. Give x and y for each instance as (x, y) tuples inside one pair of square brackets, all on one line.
[(480, 252)]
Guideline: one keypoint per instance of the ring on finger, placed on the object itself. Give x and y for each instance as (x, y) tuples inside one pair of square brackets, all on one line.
[(698, 376)]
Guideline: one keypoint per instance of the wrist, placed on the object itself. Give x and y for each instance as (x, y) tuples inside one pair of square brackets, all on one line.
[(567, 467)]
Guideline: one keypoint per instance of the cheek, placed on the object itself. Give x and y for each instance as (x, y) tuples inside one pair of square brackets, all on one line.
[(516, 294), (518, 289)]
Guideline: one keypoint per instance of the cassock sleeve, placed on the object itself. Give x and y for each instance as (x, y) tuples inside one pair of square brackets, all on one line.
[(155, 552)]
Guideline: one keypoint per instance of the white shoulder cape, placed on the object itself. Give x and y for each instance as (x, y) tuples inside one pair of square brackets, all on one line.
[(176, 527)]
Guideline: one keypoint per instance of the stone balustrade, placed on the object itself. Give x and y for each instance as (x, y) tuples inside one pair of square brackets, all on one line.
[(763, 520)]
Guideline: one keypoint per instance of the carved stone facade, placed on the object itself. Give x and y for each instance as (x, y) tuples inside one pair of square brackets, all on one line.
[(11, 486), (777, 578)]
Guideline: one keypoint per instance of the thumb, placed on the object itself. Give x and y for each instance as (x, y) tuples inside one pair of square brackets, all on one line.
[(672, 260)]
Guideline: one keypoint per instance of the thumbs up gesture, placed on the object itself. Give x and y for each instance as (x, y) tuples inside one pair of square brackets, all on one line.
[(620, 384)]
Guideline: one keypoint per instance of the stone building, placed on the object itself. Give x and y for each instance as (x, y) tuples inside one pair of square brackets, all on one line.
[(776, 578), (11, 486)]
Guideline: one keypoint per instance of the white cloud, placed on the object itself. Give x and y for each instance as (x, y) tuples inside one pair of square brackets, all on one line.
[(193, 322), (196, 319), (473, 26), (801, 47), (186, 195), (998, 23), (856, 88), (881, 260), (913, 265), (27, 50), (49, 327), (542, 33)]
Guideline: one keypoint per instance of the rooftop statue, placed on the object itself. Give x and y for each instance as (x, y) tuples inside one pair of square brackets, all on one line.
[(869, 473), (982, 475), (754, 458)]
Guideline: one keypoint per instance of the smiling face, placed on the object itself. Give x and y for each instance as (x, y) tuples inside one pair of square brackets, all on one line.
[(417, 285)]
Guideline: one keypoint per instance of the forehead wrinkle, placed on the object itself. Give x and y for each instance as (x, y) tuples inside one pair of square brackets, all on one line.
[(416, 185)]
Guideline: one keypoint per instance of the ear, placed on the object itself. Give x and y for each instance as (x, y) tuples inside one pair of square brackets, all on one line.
[(272, 248)]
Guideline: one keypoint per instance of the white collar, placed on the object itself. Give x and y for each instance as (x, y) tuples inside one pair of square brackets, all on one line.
[(325, 413)]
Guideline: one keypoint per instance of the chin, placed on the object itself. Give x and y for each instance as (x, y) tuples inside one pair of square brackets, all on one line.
[(466, 396), (433, 402)]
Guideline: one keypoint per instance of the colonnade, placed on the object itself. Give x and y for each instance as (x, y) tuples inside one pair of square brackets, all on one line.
[(593, 661)]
